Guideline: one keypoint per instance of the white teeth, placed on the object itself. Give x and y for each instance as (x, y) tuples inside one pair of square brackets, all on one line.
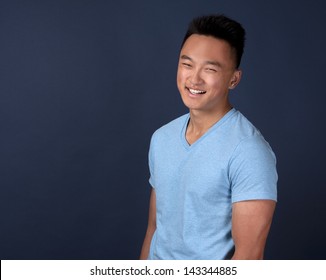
[(194, 91)]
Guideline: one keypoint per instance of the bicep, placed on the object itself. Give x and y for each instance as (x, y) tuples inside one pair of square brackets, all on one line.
[(251, 221)]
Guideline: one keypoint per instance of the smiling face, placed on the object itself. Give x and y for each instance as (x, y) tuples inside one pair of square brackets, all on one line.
[(206, 72)]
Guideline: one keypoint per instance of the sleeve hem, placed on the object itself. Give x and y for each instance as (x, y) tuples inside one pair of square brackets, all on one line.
[(254, 196), (151, 182)]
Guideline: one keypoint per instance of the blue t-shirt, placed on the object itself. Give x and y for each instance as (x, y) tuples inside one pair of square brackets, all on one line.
[(196, 184)]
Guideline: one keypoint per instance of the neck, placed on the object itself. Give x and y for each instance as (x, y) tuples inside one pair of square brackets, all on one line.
[(201, 121)]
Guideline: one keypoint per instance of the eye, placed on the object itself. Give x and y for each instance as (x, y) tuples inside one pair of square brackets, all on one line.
[(187, 65), (211, 70)]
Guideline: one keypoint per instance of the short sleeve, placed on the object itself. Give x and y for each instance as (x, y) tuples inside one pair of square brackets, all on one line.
[(252, 171)]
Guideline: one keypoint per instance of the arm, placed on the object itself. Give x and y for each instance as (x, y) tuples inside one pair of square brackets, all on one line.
[(150, 228), (251, 221)]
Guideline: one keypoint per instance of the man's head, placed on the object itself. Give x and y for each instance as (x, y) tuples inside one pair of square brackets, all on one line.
[(208, 63), (219, 27)]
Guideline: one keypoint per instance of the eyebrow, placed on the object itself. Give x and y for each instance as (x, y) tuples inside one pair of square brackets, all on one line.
[(210, 62)]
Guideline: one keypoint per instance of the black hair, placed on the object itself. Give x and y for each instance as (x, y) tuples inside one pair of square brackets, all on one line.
[(220, 27)]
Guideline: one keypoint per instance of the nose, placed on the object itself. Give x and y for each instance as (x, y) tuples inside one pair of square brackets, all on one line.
[(195, 78)]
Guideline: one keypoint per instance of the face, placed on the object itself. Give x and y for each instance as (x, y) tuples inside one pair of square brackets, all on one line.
[(206, 72)]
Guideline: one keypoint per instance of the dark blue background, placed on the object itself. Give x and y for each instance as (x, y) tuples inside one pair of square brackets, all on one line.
[(83, 85)]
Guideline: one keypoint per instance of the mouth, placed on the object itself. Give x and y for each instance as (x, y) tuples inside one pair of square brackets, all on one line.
[(195, 91)]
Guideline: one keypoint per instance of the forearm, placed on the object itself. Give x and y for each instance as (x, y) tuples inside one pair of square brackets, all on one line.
[(150, 228), (256, 253), (251, 246), (146, 244)]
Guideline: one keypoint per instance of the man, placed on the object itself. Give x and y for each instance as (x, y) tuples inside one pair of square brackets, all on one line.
[(213, 174)]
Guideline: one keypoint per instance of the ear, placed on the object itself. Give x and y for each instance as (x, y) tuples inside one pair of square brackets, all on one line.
[(235, 79)]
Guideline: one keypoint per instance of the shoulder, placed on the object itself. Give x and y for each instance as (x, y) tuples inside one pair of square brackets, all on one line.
[(254, 147), (242, 127), (243, 133), (251, 152), (246, 141)]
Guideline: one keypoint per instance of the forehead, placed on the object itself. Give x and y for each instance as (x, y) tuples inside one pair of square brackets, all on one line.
[(202, 47)]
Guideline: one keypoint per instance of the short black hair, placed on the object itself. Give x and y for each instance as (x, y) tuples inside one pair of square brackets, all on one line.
[(220, 27)]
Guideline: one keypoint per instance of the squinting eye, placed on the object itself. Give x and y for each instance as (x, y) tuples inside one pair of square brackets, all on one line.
[(186, 65), (211, 70)]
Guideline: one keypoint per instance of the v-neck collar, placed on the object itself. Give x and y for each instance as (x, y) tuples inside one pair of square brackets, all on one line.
[(200, 139)]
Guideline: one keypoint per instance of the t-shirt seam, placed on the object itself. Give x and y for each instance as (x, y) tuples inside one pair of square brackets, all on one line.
[(238, 145), (254, 196)]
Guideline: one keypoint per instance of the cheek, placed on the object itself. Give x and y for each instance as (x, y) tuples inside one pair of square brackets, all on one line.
[(212, 82), (217, 83), (180, 78)]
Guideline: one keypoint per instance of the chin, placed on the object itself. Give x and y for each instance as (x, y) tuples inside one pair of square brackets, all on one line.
[(192, 106)]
